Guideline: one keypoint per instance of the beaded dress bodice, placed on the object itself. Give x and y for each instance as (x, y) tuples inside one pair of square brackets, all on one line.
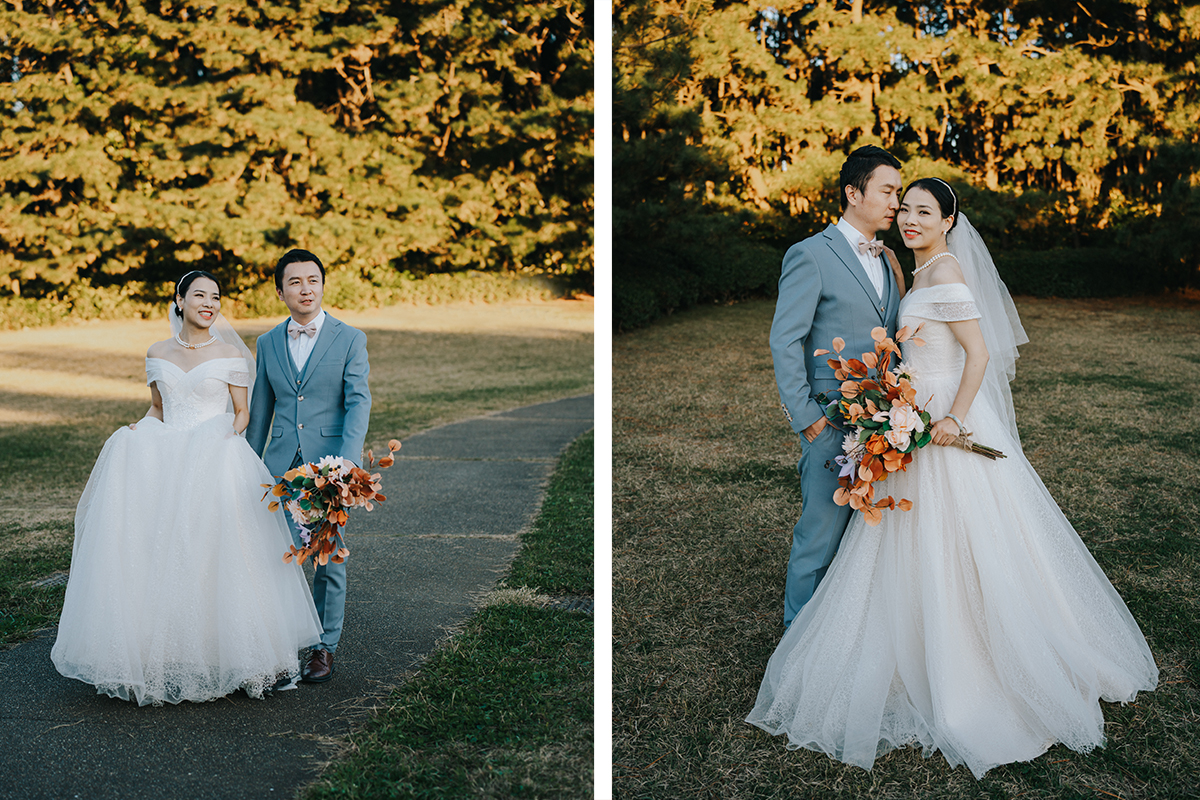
[(938, 364), (191, 397)]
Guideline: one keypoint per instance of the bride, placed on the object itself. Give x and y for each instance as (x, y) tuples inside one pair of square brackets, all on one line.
[(977, 623), (178, 590)]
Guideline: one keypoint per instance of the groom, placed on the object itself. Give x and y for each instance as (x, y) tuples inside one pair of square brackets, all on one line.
[(311, 395), (835, 283)]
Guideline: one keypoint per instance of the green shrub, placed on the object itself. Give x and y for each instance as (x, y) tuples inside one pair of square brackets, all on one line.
[(1091, 272)]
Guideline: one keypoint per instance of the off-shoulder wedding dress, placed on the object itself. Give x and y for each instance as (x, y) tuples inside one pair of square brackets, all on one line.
[(976, 624), (178, 590)]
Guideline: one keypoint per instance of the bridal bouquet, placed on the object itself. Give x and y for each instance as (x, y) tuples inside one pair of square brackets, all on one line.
[(317, 496), (886, 425)]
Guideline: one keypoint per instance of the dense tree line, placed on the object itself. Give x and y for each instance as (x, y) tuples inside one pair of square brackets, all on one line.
[(1061, 122), (142, 138)]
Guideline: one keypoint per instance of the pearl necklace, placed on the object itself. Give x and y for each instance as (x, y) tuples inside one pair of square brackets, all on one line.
[(930, 261), (194, 346)]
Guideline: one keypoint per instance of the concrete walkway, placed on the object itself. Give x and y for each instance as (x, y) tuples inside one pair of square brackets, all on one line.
[(458, 496)]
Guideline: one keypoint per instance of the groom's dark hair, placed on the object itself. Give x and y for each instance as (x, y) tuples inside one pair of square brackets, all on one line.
[(296, 257), (859, 168)]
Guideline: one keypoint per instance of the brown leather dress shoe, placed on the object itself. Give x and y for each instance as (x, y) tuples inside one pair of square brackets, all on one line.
[(319, 667)]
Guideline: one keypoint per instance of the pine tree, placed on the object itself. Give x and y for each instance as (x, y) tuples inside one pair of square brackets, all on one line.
[(142, 139)]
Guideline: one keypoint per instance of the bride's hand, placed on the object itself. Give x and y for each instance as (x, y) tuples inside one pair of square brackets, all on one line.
[(133, 426), (944, 431)]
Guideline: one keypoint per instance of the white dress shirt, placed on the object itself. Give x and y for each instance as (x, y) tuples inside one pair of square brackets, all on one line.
[(302, 346), (873, 265)]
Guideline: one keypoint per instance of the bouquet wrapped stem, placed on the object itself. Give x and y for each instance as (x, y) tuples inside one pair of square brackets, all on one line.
[(317, 496), (964, 441)]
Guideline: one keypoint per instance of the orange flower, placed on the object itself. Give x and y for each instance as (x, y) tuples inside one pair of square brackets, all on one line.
[(849, 389), (838, 344), (876, 445), (870, 359), (878, 333)]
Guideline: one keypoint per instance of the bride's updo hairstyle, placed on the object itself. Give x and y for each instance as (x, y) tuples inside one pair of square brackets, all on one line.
[(181, 286), (947, 200)]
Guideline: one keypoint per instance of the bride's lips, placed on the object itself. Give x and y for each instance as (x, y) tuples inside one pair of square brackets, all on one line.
[(909, 234)]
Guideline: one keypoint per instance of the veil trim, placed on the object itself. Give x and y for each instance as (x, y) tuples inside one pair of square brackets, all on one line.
[(999, 321)]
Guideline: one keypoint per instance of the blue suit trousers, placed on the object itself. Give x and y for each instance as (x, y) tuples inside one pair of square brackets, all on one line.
[(329, 589), (815, 538)]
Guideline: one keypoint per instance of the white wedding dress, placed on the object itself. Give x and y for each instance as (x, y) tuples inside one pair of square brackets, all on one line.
[(976, 624), (178, 590)]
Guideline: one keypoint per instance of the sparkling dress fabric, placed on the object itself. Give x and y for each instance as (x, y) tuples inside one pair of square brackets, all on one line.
[(178, 590), (976, 624)]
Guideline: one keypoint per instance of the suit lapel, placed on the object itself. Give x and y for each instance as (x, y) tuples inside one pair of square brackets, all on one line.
[(841, 248), (893, 291), (329, 332)]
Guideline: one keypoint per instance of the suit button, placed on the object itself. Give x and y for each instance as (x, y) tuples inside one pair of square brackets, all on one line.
[(301, 397), (300, 426)]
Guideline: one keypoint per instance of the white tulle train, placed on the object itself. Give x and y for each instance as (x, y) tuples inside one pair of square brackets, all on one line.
[(976, 624), (177, 589)]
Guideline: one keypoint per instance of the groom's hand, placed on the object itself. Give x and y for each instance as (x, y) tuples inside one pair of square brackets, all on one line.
[(814, 430)]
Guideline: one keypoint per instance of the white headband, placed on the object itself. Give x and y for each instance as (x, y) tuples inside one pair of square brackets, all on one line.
[(952, 194)]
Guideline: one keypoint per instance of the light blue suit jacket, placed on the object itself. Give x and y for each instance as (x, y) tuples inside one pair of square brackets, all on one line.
[(321, 410), (824, 292)]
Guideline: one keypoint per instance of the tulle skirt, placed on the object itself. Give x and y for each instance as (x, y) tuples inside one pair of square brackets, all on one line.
[(178, 590), (976, 624)]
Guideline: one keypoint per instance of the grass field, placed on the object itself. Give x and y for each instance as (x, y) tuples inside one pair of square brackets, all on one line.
[(505, 709), (705, 494), (65, 389)]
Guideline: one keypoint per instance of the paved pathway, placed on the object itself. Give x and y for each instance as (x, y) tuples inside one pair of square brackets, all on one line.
[(458, 497)]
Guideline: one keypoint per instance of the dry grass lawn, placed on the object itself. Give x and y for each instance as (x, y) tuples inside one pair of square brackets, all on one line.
[(706, 492)]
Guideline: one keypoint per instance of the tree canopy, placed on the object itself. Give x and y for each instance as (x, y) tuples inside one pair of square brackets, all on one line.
[(1060, 121), (143, 138)]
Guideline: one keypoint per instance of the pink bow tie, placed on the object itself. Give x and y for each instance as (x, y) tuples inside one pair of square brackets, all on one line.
[(309, 330), (875, 246)]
